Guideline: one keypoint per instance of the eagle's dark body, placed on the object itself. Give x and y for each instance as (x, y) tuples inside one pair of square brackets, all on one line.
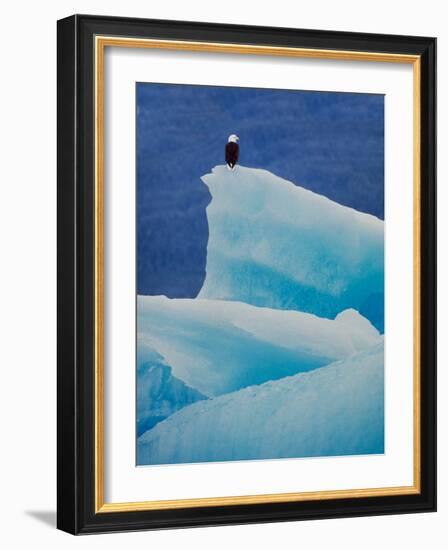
[(232, 153)]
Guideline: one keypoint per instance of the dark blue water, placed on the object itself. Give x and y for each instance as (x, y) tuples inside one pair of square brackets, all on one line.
[(331, 143)]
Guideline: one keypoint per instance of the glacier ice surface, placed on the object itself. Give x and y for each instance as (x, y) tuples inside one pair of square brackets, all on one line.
[(280, 355), (334, 410), (159, 393), (217, 347), (275, 244)]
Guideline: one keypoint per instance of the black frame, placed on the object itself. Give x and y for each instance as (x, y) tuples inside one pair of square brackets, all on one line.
[(75, 475)]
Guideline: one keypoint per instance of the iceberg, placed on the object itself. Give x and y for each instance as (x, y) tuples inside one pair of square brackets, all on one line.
[(275, 244), (331, 411), (216, 347), (281, 353), (159, 393)]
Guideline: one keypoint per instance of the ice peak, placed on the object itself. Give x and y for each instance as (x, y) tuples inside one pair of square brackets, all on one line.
[(275, 244), (352, 317)]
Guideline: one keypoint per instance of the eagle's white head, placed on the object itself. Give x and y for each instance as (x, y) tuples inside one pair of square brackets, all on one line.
[(234, 138)]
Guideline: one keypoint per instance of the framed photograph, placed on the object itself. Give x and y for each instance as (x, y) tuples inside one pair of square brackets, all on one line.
[(246, 274)]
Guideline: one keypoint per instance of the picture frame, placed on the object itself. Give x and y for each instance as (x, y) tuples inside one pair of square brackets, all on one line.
[(82, 301)]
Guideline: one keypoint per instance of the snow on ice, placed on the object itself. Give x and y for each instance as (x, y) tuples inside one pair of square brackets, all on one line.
[(217, 347)]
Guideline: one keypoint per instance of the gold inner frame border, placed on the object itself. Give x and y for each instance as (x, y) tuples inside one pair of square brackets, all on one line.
[(100, 44)]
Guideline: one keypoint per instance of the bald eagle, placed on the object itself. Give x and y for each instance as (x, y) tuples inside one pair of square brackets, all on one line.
[(232, 151)]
